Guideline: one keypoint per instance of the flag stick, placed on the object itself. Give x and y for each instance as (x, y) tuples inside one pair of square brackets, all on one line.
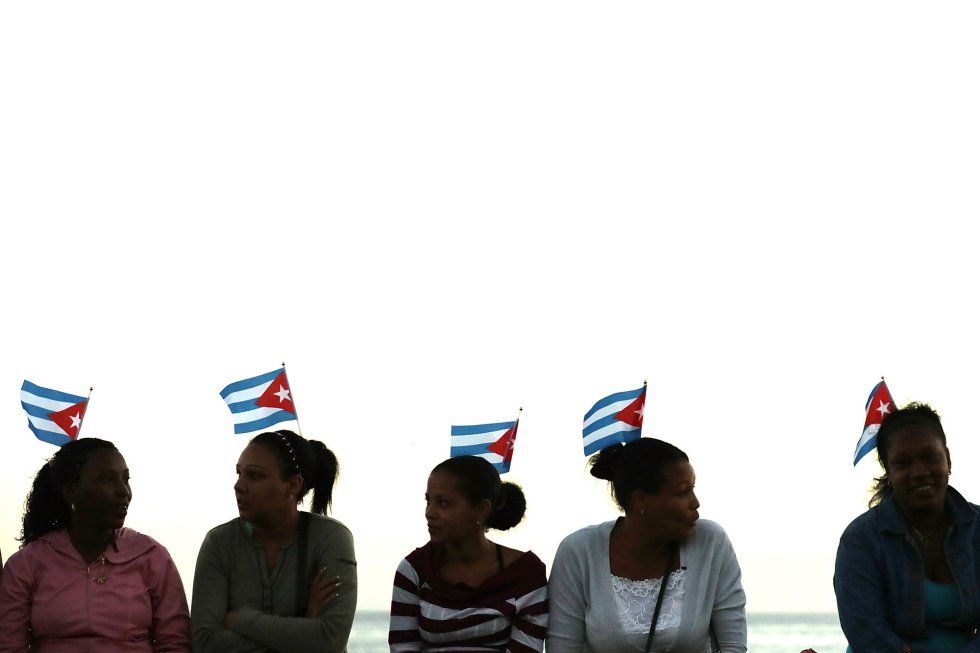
[(296, 414), (519, 411), (86, 413), (644, 404)]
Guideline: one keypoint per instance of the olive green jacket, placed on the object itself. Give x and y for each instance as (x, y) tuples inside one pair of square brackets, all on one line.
[(232, 575)]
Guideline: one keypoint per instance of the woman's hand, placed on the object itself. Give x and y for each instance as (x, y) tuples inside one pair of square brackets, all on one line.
[(230, 619), (323, 593)]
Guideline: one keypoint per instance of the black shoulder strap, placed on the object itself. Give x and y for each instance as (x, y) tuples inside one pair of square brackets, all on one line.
[(500, 557), (660, 597), (302, 576)]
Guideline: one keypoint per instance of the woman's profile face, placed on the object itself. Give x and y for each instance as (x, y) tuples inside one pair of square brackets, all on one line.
[(101, 495), (673, 511), (449, 515), (918, 468), (261, 493)]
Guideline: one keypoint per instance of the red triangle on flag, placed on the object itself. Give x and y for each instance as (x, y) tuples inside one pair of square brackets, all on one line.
[(278, 395), (880, 404), (633, 414), (504, 446), (70, 419)]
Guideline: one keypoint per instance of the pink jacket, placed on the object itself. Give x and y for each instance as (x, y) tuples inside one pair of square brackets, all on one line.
[(47, 602)]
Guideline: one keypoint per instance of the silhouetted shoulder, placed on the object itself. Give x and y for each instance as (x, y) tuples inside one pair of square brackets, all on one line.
[(860, 526), (589, 535), (327, 525), (224, 530)]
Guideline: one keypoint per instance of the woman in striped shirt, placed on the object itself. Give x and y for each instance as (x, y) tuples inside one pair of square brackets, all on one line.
[(461, 591)]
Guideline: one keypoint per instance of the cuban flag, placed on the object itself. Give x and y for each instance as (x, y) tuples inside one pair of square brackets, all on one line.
[(880, 403), (492, 442), (259, 402), (54, 416), (614, 419)]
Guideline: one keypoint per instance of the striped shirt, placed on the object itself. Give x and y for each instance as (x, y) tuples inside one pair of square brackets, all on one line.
[(507, 612)]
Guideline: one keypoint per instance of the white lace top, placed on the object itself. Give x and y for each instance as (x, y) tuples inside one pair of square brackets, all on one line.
[(636, 600)]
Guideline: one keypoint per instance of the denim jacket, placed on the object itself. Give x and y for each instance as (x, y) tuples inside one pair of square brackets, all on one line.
[(879, 576)]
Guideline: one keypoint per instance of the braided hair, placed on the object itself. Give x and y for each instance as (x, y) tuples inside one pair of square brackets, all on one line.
[(45, 508), (310, 459)]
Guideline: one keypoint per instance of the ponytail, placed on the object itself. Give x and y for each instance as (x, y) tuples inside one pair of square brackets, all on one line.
[(324, 477), (311, 459)]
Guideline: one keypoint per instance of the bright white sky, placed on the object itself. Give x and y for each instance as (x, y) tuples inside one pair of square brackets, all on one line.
[(436, 212)]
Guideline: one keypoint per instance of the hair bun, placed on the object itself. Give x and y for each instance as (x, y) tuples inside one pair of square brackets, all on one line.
[(606, 462), (510, 511)]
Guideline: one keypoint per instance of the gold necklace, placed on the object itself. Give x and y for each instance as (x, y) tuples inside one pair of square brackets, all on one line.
[(924, 539), (101, 578)]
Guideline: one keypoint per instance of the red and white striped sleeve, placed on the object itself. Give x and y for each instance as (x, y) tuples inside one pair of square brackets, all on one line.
[(403, 630), (530, 624)]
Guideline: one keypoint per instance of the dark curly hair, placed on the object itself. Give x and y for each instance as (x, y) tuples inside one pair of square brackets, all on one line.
[(311, 459), (46, 509), (636, 465), (912, 414), (478, 481)]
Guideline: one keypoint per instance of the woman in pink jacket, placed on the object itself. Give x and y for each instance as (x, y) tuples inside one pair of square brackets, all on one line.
[(81, 582)]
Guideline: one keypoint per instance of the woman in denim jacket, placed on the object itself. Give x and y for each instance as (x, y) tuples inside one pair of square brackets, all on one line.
[(906, 577)]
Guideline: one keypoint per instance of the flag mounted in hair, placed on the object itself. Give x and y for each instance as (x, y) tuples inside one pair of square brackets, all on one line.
[(492, 442), (54, 416), (260, 402), (879, 404), (614, 419)]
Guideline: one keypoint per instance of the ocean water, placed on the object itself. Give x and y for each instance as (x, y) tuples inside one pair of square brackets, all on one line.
[(768, 633)]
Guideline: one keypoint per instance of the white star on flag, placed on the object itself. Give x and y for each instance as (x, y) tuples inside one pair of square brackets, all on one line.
[(640, 412), (283, 394), (76, 421), (883, 407)]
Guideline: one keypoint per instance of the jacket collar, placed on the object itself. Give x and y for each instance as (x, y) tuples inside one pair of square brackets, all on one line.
[(126, 545), (890, 518), (247, 529)]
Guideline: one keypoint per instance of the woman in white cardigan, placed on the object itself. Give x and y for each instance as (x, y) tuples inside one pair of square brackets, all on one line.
[(607, 580)]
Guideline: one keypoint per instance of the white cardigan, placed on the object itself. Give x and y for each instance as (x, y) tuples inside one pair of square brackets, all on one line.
[(583, 615)]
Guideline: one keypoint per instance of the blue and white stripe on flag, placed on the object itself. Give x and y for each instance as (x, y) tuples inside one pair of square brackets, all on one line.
[(879, 404), (492, 442), (611, 421), (242, 399), (39, 404)]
